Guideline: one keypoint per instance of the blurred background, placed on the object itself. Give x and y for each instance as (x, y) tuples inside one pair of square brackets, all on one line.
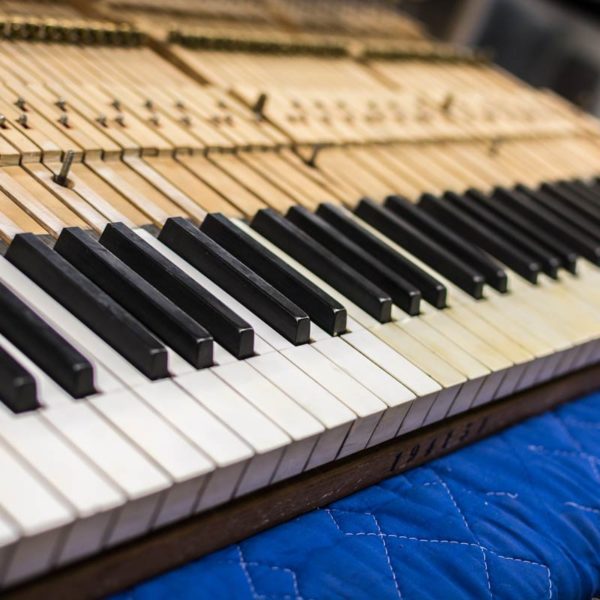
[(548, 43)]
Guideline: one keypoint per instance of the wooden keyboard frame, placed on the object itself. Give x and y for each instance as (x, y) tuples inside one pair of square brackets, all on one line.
[(168, 548)]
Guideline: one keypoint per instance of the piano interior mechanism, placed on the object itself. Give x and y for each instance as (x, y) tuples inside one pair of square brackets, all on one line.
[(257, 255)]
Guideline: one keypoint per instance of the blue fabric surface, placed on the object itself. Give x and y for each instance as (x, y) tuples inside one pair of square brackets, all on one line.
[(514, 517)]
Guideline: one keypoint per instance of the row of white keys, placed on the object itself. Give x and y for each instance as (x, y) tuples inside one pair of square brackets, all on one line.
[(348, 412), (114, 458), (370, 407), (305, 431), (230, 454), (186, 465), (263, 435), (341, 382), (126, 412), (503, 372), (580, 318), (396, 396), (462, 348), (259, 471), (539, 322), (88, 494), (586, 287), (327, 415), (39, 515), (444, 345), (381, 352), (359, 321), (47, 307), (92, 497), (503, 313)]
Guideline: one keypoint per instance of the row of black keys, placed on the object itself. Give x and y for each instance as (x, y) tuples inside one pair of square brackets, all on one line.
[(133, 297)]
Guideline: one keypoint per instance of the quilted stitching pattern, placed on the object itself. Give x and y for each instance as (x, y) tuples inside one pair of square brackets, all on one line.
[(514, 517)]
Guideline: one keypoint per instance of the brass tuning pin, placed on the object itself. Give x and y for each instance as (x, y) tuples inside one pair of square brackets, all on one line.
[(312, 159), (23, 120), (494, 148), (259, 107), (20, 103), (63, 176), (448, 103)]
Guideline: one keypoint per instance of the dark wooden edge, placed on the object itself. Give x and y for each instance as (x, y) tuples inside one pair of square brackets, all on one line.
[(167, 548)]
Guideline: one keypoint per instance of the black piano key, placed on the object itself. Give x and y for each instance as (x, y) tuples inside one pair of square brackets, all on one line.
[(422, 246), (44, 346), (89, 304), (562, 210), (324, 310), (587, 245), (484, 236), (423, 219), (231, 331), (586, 190), (575, 238), (17, 386), (403, 293), (594, 185), (578, 199), (431, 289), (237, 279), (528, 228), (478, 211), (300, 246), (135, 294)]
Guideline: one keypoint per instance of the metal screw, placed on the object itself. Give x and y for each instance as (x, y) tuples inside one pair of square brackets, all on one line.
[(63, 176), (259, 107)]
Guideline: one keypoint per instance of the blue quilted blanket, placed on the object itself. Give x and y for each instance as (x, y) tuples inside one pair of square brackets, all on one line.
[(514, 517)]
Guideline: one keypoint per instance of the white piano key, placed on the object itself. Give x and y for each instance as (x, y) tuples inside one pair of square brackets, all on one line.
[(111, 370), (221, 356), (395, 364), (87, 491), (431, 345), (142, 481), (267, 440), (40, 514), (269, 337), (177, 364), (424, 387), (396, 396), (302, 427), (367, 408), (229, 453), (185, 464), (337, 418)]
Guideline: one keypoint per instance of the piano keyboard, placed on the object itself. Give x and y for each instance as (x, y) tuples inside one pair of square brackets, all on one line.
[(224, 266)]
